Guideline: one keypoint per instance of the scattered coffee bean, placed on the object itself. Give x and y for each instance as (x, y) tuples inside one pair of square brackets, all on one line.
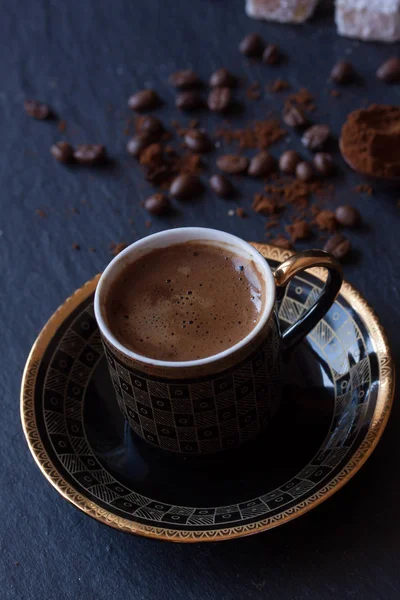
[(389, 71), (304, 171), (221, 186), (63, 152), (184, 80), (219, 99), (343, 72), (347, 216), (37, 110), (262, 164), (223, 78), (90, 154), (138, 143), (233, 164), (293, 116), (185, 186), (316, 137), (271, 55), (338, 245), (157, 204), (299, 230), (190, 100), (198, 141), (252, 45), (144, 100), (326, 220), (289, 161), (150, 125), (324, 164)]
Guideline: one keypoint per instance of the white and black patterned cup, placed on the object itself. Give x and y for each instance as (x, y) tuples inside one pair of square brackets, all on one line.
[(215, 403)]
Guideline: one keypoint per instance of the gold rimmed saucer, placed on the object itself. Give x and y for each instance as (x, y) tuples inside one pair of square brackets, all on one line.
[(329, 424)]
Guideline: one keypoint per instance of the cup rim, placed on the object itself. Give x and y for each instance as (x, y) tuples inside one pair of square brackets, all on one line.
[(172, 236)]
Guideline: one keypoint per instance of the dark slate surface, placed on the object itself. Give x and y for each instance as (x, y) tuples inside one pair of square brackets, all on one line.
[(85, 58)]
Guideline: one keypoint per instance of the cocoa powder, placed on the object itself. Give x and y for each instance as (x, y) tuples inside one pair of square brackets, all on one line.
[(261, 134), (281, 242), (291, 190), (265, 205), (364, 188), (279, 85), (253, 92), (370, 140), (302, 98)]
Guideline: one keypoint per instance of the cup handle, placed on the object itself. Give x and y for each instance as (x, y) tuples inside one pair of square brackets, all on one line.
[(287, 270)]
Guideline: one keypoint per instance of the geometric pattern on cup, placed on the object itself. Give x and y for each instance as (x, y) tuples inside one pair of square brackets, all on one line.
[(200, 417)]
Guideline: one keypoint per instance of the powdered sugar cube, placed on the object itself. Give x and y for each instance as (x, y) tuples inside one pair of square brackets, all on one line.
[(377, 20), (284, 11)]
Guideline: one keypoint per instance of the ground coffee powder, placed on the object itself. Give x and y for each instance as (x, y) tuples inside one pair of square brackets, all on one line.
[(370, 140)]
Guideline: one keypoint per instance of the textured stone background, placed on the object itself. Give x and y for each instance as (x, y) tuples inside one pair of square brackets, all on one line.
[(85, 59)]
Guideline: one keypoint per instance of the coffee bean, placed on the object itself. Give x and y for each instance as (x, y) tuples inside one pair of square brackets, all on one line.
[(185, 186), (37, 110), (63, 152), (184, 80), (316, 137), (221, 186), (219, 99), (389, 71), (304, 171), (252, 45), (338, 245), (262, 164), (150, 125), (324, 164), (343, 72), (233, 164), (293, 116), (347, 216), (289, 161), (190, 100), (271, 55), (223, 78), (157, 204), (138, 143), (198, 141), (90, 154), (144, 100)]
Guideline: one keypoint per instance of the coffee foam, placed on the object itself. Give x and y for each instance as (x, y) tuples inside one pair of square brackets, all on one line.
[(185, 302)]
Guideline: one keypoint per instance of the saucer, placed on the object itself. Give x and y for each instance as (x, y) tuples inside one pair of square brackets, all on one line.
[(338, 391)]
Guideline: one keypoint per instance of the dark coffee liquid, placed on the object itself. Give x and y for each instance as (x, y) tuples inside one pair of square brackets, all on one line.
[(185, 302)]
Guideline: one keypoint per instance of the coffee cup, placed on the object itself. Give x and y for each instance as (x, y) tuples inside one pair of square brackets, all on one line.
[(218, 402)]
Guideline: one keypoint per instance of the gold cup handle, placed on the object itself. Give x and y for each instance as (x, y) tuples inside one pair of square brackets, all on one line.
[(291, 267)]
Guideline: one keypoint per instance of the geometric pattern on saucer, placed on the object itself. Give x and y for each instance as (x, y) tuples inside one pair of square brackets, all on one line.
[(355, 350), (64, 398)]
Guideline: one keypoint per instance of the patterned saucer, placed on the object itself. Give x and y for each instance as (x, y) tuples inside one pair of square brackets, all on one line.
[(338, 392)]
